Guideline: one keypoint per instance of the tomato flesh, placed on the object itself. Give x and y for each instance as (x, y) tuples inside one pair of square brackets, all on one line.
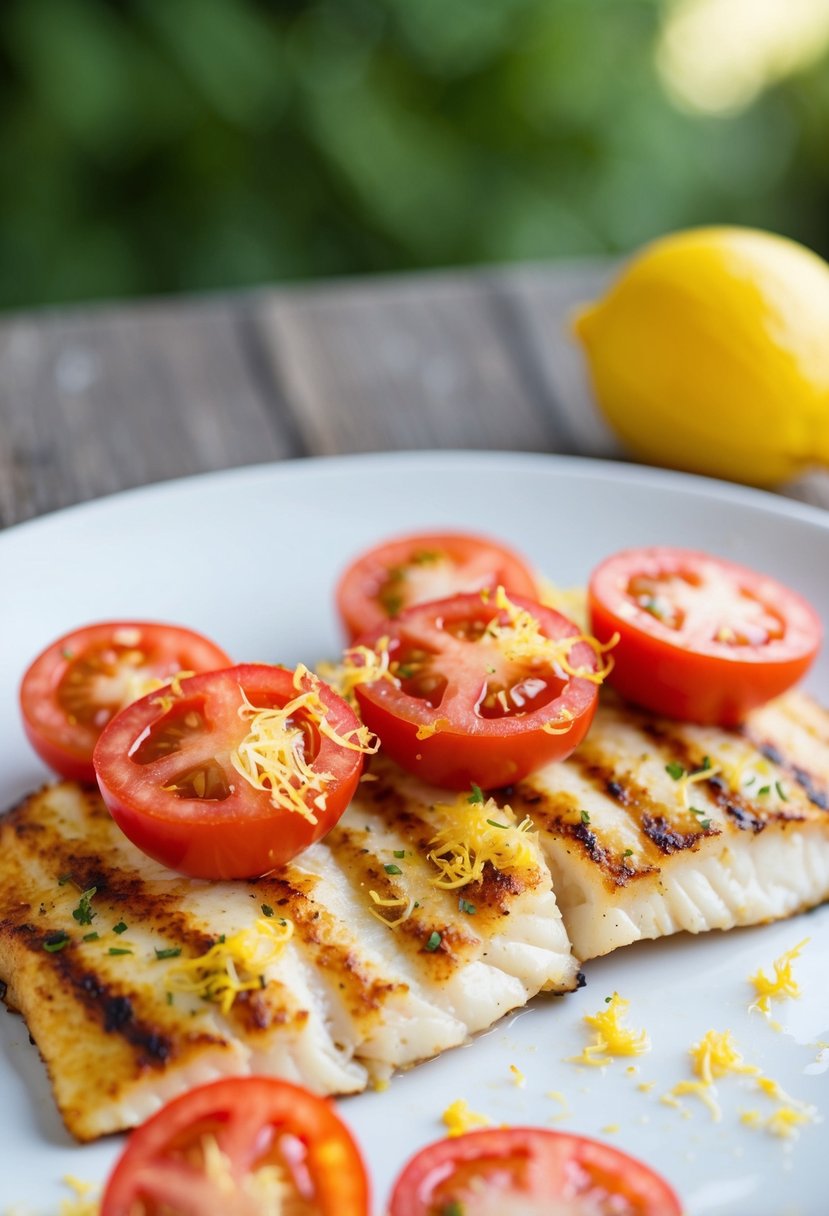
[(77, 685), (701, 638), (218, 1148), (457, 710), (165, 767), (410, 570), (528, 1171)]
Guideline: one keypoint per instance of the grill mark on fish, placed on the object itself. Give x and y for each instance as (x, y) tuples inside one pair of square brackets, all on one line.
[(559, 815), (457, 945), (667, 838), (365, 993), (104, 1004), (811, 785)]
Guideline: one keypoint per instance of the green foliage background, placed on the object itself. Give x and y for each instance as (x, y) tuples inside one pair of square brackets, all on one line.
[(177, 145)]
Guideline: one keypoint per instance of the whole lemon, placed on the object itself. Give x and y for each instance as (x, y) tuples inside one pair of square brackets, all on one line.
[(710, 353)]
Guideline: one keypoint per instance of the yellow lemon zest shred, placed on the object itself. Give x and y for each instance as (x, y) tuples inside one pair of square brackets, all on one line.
[(782, 985), (475, 834), (235, 965), (520, 639), (611, 1038), (458, 1118)]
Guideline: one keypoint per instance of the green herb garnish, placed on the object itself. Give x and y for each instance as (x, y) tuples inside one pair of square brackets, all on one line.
[(119, 928), (55, 942), (118, 950), (83, 914), (477, 794), (434, 941), (675, 770), (465, 906), (170, 952), (267, 910), (392, 869)]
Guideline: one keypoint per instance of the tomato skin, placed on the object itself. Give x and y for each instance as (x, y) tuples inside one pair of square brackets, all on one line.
[(240, 834), (533, 1164), (685, 672), (473, 562), (238, 1111), (467, 748), (65, 745)]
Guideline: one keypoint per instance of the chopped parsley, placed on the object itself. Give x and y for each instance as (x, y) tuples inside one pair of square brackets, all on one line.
[(465, 906), (781, 793), (54, 942), (118, 950), (585, 818), (477, 794), (493, 823), (391, 868), (64, 879), (675, 770), (628, 853), (400, 852), (83, 914), (434, 941), (119, 928), (763, 790), (170, 952), (608, 999), (267, 910), (90, 937)]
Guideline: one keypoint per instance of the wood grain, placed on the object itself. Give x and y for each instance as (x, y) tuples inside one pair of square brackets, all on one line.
[(99, 400), (422, 362)]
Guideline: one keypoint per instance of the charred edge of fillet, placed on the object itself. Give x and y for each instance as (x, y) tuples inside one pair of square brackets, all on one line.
[(316, 928), (111, 1008)]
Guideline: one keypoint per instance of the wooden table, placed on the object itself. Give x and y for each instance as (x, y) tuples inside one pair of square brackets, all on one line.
[(98, 399)]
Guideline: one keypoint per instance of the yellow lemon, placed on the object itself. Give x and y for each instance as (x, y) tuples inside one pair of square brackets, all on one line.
[(711, 353)]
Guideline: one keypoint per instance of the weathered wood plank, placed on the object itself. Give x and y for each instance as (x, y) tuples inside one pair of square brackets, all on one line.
[(100, 400), (421, 362), (537, 305)]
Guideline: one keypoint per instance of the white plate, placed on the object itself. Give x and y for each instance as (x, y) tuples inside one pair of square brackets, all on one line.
[(249, 558)]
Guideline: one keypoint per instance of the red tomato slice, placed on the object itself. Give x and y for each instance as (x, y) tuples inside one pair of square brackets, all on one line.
[(170, 769), (83, 679), (521, 1171), (701, 638), (430, 566), (211, 1152), (458, 707)]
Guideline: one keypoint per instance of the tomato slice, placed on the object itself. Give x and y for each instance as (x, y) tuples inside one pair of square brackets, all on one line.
[(477, 693), (409, 570), (701, 638), (528, 1171), (240, 1147), (231, 773), (76, 685)]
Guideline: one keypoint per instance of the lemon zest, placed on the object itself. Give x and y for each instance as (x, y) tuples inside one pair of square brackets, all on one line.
[(611, 1038), (520, 640), (359, 665), (782, 985), (431, 728), (235, 965), (405, 902), (272, 758), (475, 834), (458, 1118)]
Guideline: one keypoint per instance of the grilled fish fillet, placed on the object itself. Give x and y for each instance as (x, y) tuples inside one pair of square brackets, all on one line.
[(653, 827), (344, 1001)]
